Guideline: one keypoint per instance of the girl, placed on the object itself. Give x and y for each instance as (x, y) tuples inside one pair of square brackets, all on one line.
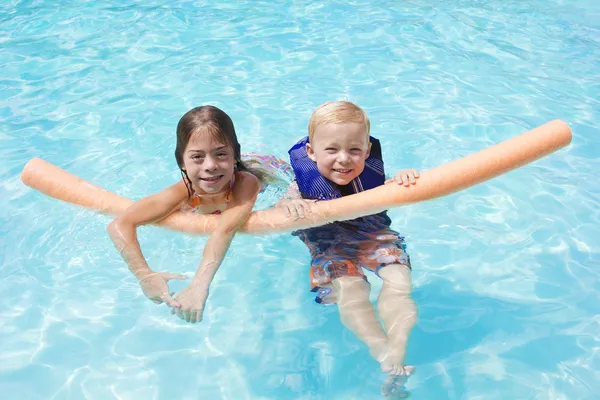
[(214, 180)]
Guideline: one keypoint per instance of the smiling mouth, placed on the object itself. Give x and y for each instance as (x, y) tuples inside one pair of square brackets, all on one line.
[(212, 179), (343, 171)]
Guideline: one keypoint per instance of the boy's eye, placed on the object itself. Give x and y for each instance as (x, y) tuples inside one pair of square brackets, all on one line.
[(330, 149)]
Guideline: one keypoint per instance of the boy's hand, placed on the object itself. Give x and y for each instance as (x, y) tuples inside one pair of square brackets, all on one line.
[(405, 177), (297, 208)]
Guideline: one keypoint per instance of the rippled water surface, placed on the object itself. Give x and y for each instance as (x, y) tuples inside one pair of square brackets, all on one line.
[(506, 274)]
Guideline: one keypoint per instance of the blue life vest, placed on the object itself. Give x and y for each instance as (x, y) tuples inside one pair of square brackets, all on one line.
[(314, 186)]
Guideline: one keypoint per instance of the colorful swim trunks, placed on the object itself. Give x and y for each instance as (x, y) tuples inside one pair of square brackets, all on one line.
[(345, 257)]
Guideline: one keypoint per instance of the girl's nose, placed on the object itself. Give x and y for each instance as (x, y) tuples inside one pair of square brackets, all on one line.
[(210, 164)]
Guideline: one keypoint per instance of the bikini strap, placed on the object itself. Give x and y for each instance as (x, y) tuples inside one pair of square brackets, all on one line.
[(228, 194), (196, 198)]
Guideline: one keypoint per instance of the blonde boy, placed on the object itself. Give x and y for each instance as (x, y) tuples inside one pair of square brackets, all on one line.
[(339, 158)]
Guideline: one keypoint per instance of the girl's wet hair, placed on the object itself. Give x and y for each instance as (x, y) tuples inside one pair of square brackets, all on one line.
[(212, 121), (208, 120)]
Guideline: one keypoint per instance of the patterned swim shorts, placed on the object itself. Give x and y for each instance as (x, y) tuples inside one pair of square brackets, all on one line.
[(347, 258)]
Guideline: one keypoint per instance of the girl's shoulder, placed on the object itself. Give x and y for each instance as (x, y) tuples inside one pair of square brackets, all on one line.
[(245, 177), (245, 182)]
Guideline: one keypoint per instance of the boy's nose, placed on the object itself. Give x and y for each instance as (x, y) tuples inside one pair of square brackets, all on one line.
[(343, 157)]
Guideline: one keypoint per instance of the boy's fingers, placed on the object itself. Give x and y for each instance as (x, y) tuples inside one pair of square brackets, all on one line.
[(302, 209), (294, 212), (307, 207), (401, 179), (406, 179)]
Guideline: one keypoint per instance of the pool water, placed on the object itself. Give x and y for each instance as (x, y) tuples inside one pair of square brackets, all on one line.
[(506, 274)]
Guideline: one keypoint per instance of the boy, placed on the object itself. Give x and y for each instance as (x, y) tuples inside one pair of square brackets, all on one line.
[(340, 158)]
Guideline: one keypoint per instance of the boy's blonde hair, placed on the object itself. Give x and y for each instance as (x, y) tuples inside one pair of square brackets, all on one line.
[(337, 112)]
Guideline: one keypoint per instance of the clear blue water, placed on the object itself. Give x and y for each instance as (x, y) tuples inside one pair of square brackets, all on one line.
[(506, 274)]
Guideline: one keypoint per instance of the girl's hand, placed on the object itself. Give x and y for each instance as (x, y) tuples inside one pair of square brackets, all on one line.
[(405, 177), (155, 287), (192, 300), (297, 208)]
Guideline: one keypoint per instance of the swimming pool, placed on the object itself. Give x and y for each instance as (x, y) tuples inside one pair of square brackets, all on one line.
[(506, 274)]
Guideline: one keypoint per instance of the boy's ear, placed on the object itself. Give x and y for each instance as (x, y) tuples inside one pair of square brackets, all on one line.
[(368, 150), (310, 152)]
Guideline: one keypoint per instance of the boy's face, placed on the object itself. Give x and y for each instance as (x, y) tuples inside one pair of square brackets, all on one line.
[(340, 151)]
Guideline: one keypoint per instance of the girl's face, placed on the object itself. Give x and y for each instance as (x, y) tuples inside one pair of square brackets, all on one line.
[(209, 164)]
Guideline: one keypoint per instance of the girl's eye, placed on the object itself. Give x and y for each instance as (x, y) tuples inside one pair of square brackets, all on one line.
[(197, 157), (222, 155)]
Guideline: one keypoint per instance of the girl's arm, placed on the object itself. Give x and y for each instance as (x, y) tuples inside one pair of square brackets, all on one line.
[(244, 194), (193, 298), (123, 233)]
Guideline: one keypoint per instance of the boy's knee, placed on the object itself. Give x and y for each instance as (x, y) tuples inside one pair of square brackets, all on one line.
[(396, 276), (346, 287)]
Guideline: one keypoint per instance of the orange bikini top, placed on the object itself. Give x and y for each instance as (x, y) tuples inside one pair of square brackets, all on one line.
[(196, 200)]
